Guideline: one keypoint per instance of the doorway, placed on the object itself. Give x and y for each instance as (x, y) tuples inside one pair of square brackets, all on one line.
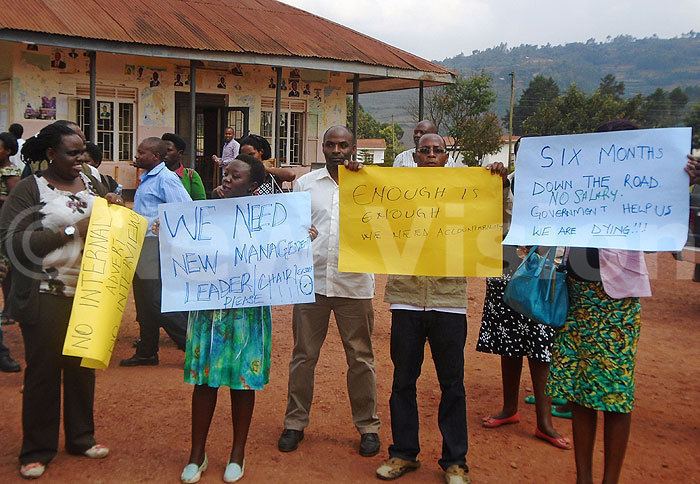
[(212, 116)]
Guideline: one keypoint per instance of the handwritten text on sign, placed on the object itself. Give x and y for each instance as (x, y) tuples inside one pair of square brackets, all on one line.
[(615, 190), (421, 221), (110, 256), (238, 252)]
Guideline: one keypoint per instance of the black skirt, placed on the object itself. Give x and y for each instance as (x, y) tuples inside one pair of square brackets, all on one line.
[(506, 332)]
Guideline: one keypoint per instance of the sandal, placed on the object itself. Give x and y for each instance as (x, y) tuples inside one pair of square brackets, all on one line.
[(493, 422), (559, 442), (557, 413), (530, 400), (33, 470)]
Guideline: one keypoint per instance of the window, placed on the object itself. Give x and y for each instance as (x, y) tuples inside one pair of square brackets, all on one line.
[(236, 119), (311, 152), (115, 120), (366, 157), (200, 133), (291, 143)]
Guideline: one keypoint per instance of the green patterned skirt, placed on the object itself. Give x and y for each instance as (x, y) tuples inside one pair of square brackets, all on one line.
[(594, 353), (229, 347)]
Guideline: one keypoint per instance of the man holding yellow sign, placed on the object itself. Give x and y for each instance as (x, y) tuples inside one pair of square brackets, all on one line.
[(447, 222), (435, 227)]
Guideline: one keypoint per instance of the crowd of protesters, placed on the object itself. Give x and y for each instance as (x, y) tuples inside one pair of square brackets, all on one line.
[(47, 190)]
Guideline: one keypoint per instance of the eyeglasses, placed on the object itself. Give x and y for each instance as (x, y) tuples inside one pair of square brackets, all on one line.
[(425, 150)]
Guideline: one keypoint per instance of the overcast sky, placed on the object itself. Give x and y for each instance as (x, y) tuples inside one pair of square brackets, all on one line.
[(443, 28)]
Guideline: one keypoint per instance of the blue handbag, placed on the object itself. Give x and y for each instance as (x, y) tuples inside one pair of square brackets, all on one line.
[(537, 289)]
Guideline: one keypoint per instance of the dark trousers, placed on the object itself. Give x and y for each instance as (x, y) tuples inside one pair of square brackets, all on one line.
[(6, 284), (41, 400), (3, 349), (147, 297), (447, 334)]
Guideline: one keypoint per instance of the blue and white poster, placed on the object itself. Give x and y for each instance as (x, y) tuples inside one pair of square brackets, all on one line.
[(237, 252), (614, 190)]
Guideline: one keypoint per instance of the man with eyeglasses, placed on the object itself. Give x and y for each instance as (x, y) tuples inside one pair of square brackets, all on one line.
[(433, 309), (347, 295)]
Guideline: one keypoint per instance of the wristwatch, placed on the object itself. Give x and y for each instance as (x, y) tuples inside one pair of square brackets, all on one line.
[(69, 231)]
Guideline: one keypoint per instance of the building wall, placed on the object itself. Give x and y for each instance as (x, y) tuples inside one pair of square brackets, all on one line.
[(32, 80), (377, 152)]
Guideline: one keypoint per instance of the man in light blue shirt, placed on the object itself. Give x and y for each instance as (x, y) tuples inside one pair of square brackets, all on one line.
[(229, 151), (158, 185)]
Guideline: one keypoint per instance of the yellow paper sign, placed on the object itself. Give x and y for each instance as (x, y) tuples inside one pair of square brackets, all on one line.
[(110, 255), (421, 221)]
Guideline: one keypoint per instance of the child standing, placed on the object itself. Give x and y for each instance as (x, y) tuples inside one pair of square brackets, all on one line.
[(229, 347)]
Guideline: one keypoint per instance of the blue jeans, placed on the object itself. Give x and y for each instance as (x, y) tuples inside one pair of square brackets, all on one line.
[(447, 335)]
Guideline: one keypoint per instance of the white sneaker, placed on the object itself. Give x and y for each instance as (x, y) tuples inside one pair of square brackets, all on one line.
[(97, 451), (33, 470), (234, 472), (193, 473)]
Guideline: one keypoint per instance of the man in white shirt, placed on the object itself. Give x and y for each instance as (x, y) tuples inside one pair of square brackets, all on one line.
[(347, 295), (409, 158)]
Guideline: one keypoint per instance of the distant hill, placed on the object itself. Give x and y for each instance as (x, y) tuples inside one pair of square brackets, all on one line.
[(642, 64)]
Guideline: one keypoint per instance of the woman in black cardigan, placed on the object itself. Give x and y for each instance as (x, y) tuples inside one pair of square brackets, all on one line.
[(43, 226)]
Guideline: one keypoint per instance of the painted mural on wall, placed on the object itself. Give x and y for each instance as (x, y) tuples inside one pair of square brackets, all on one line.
[(59, 61), (44, 85), (46, 109), (156, 107)]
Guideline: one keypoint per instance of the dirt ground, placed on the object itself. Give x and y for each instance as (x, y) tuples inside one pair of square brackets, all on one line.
[(143, 414)]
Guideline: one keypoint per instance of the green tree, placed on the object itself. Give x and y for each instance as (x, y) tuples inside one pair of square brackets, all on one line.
[(609, 86), (541, 90), (693, 120), (575, 112), (369, 128), (567, 114), (468, 117), (483, 132), (655, 111), (607, 102), (678, 100), (434, 101)]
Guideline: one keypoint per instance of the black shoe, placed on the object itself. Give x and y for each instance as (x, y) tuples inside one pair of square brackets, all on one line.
[(8, 365), (289, 440), (369, 445), (137, 360)]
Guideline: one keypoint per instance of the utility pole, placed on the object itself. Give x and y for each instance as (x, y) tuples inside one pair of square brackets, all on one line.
[(510, 118), (393, 137)]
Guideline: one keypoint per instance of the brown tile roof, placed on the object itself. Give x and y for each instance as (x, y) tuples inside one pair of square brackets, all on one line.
[(264, 27), (371, 144)]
